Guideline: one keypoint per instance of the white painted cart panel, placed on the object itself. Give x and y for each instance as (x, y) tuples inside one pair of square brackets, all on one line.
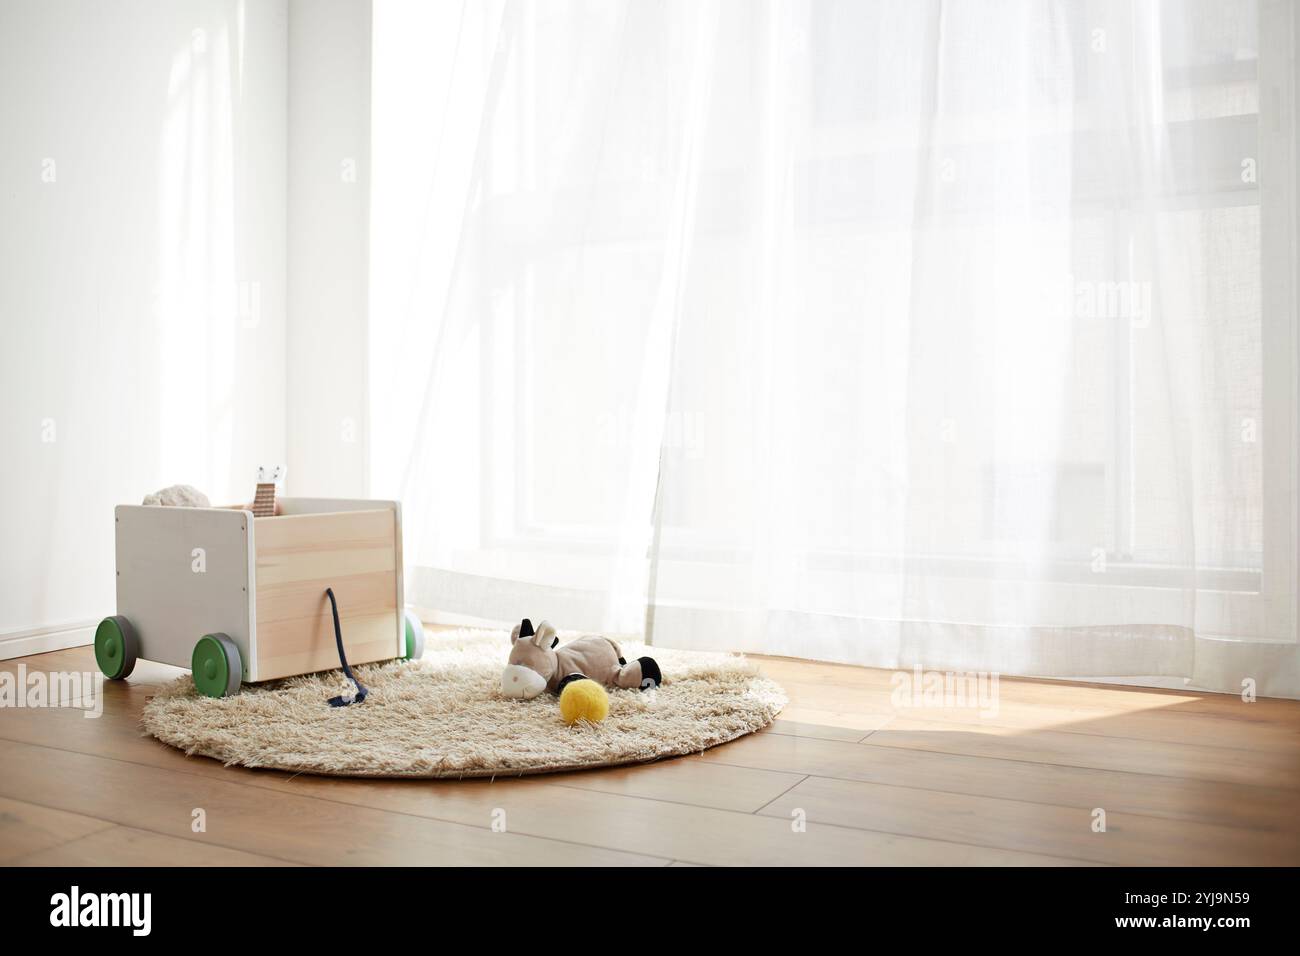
[(183, 573)]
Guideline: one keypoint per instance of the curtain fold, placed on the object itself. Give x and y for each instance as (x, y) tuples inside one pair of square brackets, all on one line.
[(950, 335)]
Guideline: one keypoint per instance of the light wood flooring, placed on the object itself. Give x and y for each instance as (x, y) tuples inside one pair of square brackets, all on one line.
[(841, 778)]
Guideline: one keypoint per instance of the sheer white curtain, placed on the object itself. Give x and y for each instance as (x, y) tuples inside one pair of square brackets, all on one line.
[(959, 335)]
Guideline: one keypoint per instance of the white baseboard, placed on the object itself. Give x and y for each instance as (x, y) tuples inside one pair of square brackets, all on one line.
[(448, 619), (41, 640)]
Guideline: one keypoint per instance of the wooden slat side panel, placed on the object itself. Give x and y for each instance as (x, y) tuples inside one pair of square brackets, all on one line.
[(295, 533), (366, 639), (298, 557), (365, 594)]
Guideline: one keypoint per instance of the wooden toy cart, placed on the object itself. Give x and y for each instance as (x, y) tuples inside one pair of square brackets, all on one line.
[(240, 598)]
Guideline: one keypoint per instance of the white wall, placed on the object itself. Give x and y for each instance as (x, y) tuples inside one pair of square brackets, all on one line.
[(329, 172), (142, 279)]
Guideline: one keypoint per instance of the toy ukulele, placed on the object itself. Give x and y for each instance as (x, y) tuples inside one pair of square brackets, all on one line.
[(264, 499)]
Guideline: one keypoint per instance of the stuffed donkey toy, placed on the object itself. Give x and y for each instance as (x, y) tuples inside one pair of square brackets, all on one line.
[(536, 665)]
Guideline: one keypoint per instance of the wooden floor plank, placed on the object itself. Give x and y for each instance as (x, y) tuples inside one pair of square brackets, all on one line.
[(803, 722), (1151, 725), (30, 828), (1191, 761), (1206, 801), (127, 846), (838, 682), (1235, 725), (534, 806), (1183, 777), (1127, 840), (287, 825), (644, 826), (686, 781), (82, 660)]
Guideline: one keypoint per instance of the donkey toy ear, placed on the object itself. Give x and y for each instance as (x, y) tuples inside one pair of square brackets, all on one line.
[(546, 637)]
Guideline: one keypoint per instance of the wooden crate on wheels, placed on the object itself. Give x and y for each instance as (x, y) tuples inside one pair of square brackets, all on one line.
[(241, 599)]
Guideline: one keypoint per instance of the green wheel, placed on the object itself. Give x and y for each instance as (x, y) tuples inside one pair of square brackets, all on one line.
[(216, 665), (414, 638), (116, 647)]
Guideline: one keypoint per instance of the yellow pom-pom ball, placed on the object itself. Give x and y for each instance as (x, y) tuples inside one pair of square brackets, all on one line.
[(583, 700)]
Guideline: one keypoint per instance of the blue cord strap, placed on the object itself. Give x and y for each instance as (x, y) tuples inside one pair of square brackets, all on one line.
[(361, 692)]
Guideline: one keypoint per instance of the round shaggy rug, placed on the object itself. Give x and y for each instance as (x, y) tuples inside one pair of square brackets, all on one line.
[(445, 716)]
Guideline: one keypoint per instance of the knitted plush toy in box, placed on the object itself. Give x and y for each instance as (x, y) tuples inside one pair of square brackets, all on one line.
[(178, 496)]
